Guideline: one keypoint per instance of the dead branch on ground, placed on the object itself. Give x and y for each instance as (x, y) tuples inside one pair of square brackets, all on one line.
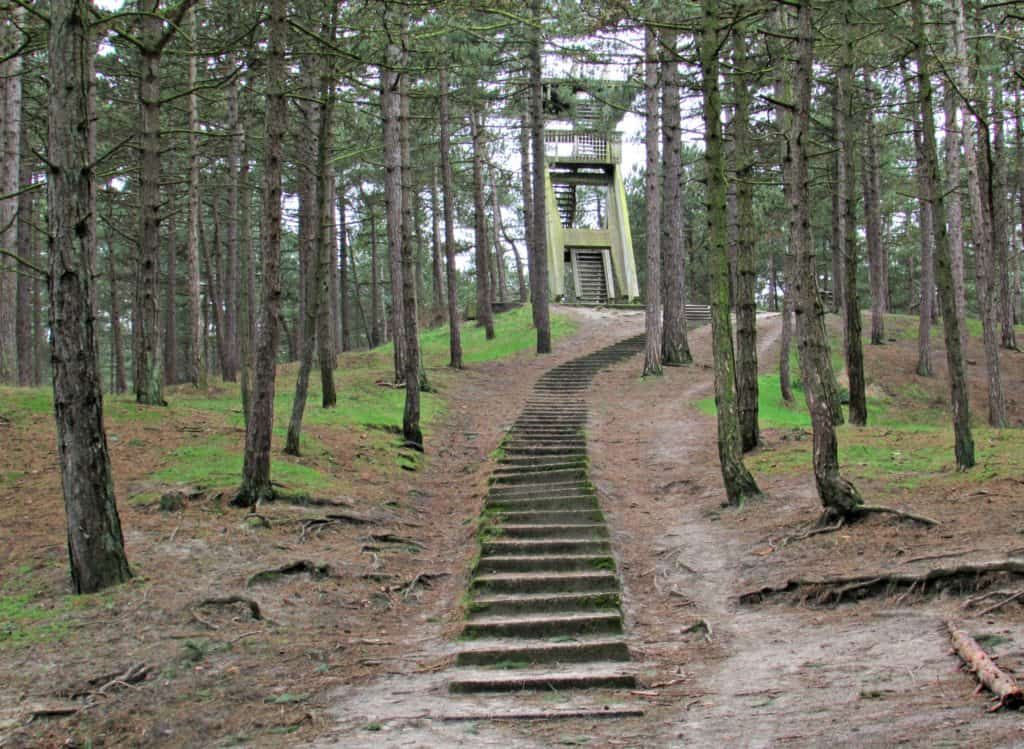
[(988, 674)]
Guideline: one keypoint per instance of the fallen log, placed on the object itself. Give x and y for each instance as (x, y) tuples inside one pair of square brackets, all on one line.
[(838, 589), (988, 674)]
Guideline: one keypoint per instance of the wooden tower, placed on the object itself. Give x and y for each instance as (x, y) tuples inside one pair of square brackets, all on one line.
[(590, 248)]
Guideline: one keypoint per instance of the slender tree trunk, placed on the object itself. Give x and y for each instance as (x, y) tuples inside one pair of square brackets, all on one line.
[(436, 263), (652, 198), (675, 348), (10, 174), (955, 209), (499, 248), (484, 318), (232, 277), (26, 343), (783, 123), (415, 377), (196, 347), (38, 327), (247, 288), (927, 231), (838, 495), (149, 379), (526, 174), (357, 297), (539, 268), (1001, 218), (376, 310), (325, 219), (871, 183), (982, 235), (345, 309), (746, 254), (739, 484), (256, 484), (170, 306), (964, 443), (95, 542), (214, 285), (448, 195), (390, 112), (306, 188), (120, 380)]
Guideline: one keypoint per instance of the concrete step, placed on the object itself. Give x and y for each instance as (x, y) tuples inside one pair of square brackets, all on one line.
[(544, 546), (504, 583), (572, 488), (511, 653), (545, 563), (579, 502), (593, 676), (553, 530), (561, 518), (534, 603), (543, 625), (512, 465), (504, 478)]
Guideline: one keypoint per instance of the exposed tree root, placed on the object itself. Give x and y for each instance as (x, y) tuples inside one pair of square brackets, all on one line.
[(254, 608), (830, 521), (862, 510), (316, 571), (111, 682), (314, 526), (988, 674), (967, 577)]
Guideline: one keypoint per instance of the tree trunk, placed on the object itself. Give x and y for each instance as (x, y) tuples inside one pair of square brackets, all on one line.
[(170, 306), (539, 268), (26, 343), (306, 189), (247, 289), (195, 308), (871, 184), (652, 198), (345, 305), (955, 209), (675, 348), (436, 263), (838, 495), (119, 382), (927, 230), (746, 253), (232, 278), (390, 112), (214, 286), (739, 484), (415, 377), (95, 542), (499, 248), (783, 93), (256, 484), (376, 309), (149, 381), (325, 219), (526, 174), (484, 317), (448, 195), (851, 304), (964, 443), (1001, 218), (982, 234), (10, 174)]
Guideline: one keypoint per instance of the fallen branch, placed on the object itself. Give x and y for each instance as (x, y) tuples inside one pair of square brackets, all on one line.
[(837, 589), (134, 674), (988, 674), (423, 578), (1002, 603), (697, 626), (316, 571)]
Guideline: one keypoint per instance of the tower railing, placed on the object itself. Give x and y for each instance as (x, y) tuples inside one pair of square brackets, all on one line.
[(583, 145)]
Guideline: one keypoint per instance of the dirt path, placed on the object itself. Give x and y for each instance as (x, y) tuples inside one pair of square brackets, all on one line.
[(871, 674)]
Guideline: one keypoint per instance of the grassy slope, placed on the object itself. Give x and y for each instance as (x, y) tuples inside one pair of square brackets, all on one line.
[(908, 440)]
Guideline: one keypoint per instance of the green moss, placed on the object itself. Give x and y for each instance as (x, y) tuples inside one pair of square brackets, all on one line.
[(24, 622)]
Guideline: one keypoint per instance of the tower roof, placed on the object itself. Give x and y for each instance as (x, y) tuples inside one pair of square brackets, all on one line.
[(589, 103)]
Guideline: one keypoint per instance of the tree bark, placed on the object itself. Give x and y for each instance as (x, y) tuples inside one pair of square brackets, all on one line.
[(415, 377), (783, 93), (448, 196), (653, 316), (232, 278), (376, 309), (839, 497), (325, 219), (496, 226), (955, 208), (527, 187), (539, 268), (256, 484), (927, 279), (195, 307), (675, 348), (484, 317), (981, 232), (871, 186), (247, 288), (10, 174), (390, 106), (25, 341), (95, 542), (739, 484), (963, 441), (436, 262), (345, 305), (170, 306), (1001, 218), (746, 252)]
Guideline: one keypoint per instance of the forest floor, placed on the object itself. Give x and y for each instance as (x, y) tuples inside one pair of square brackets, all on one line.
[(352, 640)]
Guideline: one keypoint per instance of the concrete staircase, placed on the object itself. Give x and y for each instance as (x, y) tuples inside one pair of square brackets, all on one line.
[(544, 603)]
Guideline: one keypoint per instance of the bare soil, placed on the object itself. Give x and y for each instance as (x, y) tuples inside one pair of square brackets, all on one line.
[(355, 654)]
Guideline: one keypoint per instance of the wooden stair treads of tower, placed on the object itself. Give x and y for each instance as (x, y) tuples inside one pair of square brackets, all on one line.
[(593, 287), (543, 610), (565, 199)]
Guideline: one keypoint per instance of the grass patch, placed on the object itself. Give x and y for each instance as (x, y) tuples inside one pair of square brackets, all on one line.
[(24, 623)]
